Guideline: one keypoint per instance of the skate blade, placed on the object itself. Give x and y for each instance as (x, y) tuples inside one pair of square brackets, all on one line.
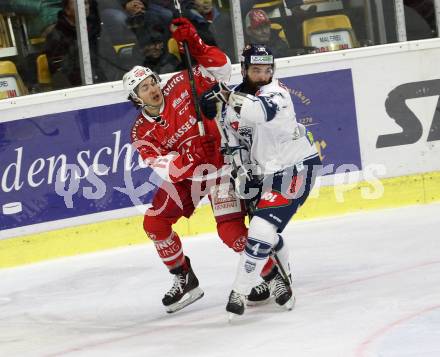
[(258, 303), (290, 304), (187, 299), (233, 317)]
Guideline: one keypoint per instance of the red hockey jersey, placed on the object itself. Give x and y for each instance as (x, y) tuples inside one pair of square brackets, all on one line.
[(159, 143)]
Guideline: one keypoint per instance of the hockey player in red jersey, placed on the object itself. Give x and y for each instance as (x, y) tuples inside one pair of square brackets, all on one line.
[(167, 137)]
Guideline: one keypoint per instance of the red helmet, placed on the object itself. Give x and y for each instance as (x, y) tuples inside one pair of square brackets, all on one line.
[(256, 17)]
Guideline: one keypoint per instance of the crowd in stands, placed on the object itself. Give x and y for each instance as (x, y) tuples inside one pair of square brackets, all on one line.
[(62, 50), (123, 33)]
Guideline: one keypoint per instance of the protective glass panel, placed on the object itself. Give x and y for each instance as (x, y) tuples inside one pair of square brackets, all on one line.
[(289, 26), (38, 45), (420, 19), (39, 38), (139, 32)]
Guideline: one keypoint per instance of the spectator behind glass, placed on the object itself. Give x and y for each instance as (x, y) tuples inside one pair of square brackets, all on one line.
[(258, 31), (144, 13), (300, 13), (213, 25), (62, 51), (203, 14), (420, 19), (39, 14), (114, 22), (151, 51)]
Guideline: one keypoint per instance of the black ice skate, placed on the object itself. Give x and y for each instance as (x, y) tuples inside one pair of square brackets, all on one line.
[(236, 304), (259, 294), (185, 289), (282, 291), (273, 285)]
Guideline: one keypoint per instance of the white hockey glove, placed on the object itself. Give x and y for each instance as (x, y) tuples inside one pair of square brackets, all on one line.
[(236, 100), (244, 175), (246, 182)]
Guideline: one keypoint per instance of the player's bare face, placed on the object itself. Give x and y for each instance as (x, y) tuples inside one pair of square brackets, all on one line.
[(150, 93), (259, 74)]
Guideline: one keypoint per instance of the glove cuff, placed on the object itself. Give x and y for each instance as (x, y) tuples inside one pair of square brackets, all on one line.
[(196, 45), (236, 100)]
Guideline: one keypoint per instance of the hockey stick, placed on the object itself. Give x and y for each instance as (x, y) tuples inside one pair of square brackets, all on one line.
[(280, 265), (42, 131), (191, 77)]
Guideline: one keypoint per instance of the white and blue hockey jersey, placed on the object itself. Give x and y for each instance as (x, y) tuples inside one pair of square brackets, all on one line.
[(266, 125)]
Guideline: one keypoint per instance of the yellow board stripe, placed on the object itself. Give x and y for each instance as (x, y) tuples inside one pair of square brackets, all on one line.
[(332, 200)]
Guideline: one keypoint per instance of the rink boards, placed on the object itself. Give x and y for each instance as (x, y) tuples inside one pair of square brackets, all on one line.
[(374, 113)]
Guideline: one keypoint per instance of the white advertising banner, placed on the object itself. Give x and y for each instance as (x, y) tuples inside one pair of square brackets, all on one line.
[(397, 92), (397, 100)]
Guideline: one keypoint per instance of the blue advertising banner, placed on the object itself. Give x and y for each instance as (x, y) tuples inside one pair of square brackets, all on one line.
[(324, 103), (89, 147), (76, 163)]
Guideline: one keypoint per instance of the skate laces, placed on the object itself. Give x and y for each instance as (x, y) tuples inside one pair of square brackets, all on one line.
[(278, 286), (261, 288), (178, 284), (236, 298)]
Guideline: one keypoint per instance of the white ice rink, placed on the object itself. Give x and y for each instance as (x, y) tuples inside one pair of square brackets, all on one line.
[(366, 285)]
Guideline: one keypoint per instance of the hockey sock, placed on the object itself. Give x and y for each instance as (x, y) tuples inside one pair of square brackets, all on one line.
[(166, 241), (171, 252), (262, 235), (233, 233)]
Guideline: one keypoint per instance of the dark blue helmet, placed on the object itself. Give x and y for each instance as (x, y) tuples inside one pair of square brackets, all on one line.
[(256, 54)]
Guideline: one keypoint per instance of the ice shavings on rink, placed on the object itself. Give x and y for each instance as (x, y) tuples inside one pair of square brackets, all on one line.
[(366, 285)]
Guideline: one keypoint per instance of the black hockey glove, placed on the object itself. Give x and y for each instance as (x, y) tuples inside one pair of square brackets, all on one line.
[(219, 93), (208, 106)]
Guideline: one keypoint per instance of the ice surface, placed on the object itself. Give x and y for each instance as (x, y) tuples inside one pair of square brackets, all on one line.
[(366, 285)]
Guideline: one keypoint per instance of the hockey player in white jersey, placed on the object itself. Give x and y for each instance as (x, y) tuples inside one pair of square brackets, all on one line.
[(258, 116)]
